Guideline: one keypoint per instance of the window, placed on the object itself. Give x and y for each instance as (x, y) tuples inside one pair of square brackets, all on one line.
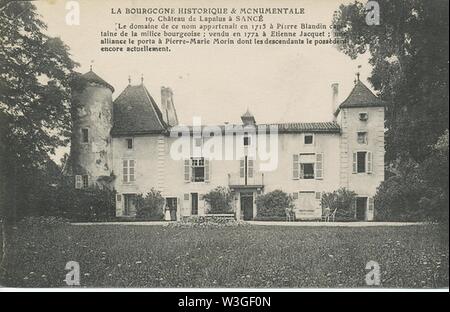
[(85, 181), (363, 116), (128, 170), (198, 169), (198, 142), (307, 162), (78, 182), (308, 139), (362, 162), (307, 171), (129, 143), (85, 135), (247, 140), (362, 137), (295, 161)]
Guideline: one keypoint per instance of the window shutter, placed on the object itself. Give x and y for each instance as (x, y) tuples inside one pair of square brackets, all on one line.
[(295, 166), (131, 170), (318, 195), (207, 170), (369, 162), (355, 163), (187, 170), (78, 182), (250, 168), (302, 172), (319, 166), (354, 207), (242, 168), (125, 171), (371, 204)]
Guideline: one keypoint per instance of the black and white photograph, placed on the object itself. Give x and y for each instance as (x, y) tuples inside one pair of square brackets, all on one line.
[(290, 145)]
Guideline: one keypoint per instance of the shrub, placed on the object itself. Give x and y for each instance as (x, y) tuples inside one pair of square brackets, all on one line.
[(150, 207), (91, 204), (219, 200), (274, 204), (207, 221), (342, 201)]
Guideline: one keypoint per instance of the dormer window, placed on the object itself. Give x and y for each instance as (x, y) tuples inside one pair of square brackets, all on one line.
[(308, 139), (363, 116)]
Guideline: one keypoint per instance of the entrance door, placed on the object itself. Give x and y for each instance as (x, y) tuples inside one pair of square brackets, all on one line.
[(172, 205), (194, 204), (361, 207), (129, 204), (247, 206)]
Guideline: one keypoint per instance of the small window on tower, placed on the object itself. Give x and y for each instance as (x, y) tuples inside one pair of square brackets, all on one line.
[(85, 181), (362, 137), (129, 143), (85, 135), (363, 116)]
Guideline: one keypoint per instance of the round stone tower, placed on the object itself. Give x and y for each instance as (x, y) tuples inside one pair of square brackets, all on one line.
[(92, 117)]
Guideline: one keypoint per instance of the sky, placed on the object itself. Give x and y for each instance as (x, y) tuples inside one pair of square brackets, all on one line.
[(218, 83)]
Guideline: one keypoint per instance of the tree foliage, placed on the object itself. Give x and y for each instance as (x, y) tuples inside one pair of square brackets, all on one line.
[(36, 71), (417, 191), (218, 200), (409, 55)]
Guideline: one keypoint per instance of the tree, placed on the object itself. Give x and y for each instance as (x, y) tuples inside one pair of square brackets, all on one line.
[(35, 75), (218, 200), (417, 192), (409, 55)]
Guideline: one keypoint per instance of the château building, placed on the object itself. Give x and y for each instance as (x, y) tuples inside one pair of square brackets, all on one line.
[(128, 145)]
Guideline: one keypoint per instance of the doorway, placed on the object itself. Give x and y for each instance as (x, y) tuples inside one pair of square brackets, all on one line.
[(194, 204), (361, 208), (247, 205), (129, 204), (172, 206)]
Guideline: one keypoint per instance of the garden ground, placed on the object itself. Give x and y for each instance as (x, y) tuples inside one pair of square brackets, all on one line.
[(412, 256)]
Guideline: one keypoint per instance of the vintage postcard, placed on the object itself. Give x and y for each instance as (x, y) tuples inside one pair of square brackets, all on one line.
[(216, 145)]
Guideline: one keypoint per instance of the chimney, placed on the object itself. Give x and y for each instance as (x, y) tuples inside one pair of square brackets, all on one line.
[(168, 108), (334, 98)]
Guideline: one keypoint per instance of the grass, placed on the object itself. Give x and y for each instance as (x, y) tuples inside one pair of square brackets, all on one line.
[(242, 256)]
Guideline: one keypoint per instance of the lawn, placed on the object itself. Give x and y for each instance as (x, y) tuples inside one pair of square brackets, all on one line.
[(236, 256)]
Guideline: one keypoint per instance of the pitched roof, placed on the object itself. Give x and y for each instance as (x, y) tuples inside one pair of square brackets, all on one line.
[(93, 77), (247, 114), (361, 96), (136, 112), (291, 127), (316, 127)]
